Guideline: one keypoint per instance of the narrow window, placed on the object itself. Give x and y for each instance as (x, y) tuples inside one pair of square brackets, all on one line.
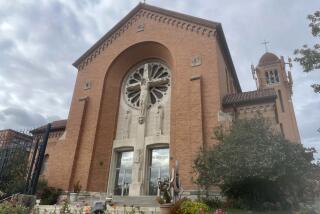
[(271, 77), (44, 164), (276, 75), (281, 100), (158, 168), (267, 77), (276, 115), (281, 128), (123, 172), (227, 80)]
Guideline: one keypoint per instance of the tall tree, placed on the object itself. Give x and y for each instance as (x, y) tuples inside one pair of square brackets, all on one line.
[(309, 57), (257, 168)]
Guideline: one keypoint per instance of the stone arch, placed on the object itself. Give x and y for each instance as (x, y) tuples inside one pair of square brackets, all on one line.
[(108, 112)]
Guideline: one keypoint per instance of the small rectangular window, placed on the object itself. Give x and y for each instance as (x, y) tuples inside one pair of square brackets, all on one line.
[(281, 100)]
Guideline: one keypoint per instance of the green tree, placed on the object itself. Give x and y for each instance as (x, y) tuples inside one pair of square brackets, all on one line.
[(309, 58), (14, 178), (257, 168)]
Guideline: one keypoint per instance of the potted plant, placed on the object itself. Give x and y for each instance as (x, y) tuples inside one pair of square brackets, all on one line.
[(76, 189), (165, 196)]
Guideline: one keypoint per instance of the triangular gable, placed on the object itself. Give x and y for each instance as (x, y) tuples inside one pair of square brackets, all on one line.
[(188, 22)]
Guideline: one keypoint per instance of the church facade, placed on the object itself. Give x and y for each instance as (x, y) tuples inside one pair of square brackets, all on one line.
[(148, 94)]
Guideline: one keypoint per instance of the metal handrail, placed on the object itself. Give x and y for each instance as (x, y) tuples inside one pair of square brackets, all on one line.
[(11, 196)]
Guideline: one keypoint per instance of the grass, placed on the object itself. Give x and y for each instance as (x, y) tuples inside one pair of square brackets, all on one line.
[(236, 211)]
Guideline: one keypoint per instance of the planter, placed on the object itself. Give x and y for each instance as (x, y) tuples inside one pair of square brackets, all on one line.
[(165, 208), (73, 197)]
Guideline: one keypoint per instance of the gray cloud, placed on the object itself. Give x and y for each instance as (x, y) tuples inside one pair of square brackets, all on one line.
[(39, 40), (13, 116)]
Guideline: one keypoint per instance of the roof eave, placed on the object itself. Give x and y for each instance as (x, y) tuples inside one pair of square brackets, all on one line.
[(251, 102), (225, 49)]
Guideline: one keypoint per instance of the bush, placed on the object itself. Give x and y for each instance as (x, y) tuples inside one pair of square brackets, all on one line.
[(214, 202), (257, 168), (177, 206), (26, 200), (193, 207), (12, 208), (48, 195)]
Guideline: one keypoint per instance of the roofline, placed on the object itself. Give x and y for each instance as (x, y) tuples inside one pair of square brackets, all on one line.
[(52, 129), (196, 20), (253, 101), (174, 14), (227, 55), (16, 132)]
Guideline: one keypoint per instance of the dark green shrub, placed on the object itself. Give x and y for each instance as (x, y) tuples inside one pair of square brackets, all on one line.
[(256, 168), (48, 195), (213, 202)]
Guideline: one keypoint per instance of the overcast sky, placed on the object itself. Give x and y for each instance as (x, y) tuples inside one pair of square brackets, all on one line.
[(39, 40)]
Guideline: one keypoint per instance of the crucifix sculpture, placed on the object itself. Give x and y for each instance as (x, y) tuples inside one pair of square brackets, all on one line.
[(147, 86)]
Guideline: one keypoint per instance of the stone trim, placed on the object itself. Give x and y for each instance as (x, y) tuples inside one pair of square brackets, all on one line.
[(157, 17)]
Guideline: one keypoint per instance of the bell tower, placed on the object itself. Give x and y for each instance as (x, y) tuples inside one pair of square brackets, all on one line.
[(271, 73)]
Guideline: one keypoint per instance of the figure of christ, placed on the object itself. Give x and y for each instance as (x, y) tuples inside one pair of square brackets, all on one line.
[(144, 94)]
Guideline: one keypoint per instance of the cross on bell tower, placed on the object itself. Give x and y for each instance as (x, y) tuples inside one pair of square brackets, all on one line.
[(265, 43)]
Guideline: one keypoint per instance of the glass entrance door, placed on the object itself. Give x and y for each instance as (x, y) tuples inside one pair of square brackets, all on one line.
[(158, 168), (123, 173)]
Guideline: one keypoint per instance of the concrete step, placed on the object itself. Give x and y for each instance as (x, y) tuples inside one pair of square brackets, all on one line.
[(47, 209), (136, 201)]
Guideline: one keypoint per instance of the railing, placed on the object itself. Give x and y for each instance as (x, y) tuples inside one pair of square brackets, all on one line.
[(9, 197)]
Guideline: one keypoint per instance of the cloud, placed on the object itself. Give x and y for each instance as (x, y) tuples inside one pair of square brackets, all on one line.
[(39, 40), (13, 116)]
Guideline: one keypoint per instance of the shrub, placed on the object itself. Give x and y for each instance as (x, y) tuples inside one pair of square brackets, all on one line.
[(48, 195), (193, 207), (177, 206), (257, 168), (214, 202), (13, 208), (77, 187), (26, 200)]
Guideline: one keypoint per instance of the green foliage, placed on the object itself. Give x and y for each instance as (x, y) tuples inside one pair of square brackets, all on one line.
[(12, 208), (213, 202), (26, 200), (65, 209), (193, 207), (48, 195), (77, 187), (14, 178), (258, 169), (309, 58)]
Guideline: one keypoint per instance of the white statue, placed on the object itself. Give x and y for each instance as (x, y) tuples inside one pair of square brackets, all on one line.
[(144, 94), (159, 120)]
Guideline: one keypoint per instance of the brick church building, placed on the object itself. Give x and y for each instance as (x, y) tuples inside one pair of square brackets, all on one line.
[(149, 93)]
